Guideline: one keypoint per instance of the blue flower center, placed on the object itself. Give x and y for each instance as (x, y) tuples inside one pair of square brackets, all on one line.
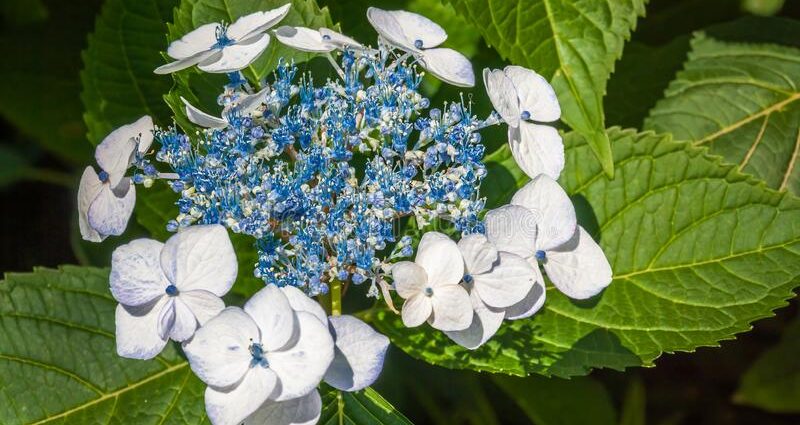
[(257, 352), (171, 290), (428, 292), (103, 176), (222, 37), (418, 44), (525, 115), (468, 278), (540, 255)]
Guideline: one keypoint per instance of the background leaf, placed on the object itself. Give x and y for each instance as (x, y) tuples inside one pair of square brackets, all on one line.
[(357, 408), (58, 361), (634, 408), (572, 43), (773, 381), (118, 81), (39, 83), (743, 102), (698, 250), (555, 401)]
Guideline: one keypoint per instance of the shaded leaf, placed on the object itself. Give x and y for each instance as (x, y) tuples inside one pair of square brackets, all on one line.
[(742, 101), (634, 406), (118, 81), (772, 383), (698, 250), (555, 401), (572, 43), (357, 408), (58, 361)]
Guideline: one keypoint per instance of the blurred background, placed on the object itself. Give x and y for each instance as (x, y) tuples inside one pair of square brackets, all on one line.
[(43, 149)]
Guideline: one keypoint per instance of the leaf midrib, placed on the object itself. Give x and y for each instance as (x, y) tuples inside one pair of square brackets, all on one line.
[(114, 394)]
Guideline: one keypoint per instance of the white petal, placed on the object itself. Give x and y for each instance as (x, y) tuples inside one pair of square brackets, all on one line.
[(304, 410), (200, 257), (197, 41), (449, 66), (512, 228), (201, 118), (166, 318), (440, 258), (537, 149), (137, 330), (303, 39), (503, 95), (271, 311), (185, 321), (416, 310), (231, 406), (219, 352), (88, 190), (507, 283), (409, 278), (386, 24), (301, 366), (536, 96), (479, 254), (182, 64), (136, 276), (299, 301), (110, 211), (142, 129), (556, 220), (533, 301), (359, 354), (417, 27), (248, 103), (339, 40), (237, 56), (452, 309), (255, 23), (485, 323), (578, 268), (203, 304), (115, 152)]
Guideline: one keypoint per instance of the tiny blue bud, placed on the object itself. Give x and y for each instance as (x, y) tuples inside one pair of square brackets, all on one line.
[(540, 255), (525, 115), (358, 278), (103, 176), (171, 290), (468, 278), (138, 178), (428, 292), (172, 226), (418, 44)]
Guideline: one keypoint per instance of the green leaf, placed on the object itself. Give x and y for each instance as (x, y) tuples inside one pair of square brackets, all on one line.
[(742, 101), (773, 382), (358, 408), (118, 81), (699, 251), (555, 401), (58, 361), (39, 83), (572, 43), (306, 13), (12, 166)]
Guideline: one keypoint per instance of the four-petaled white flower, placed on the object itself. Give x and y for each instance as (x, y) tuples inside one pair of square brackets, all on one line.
[(106, 200), (239, 107), (258, 361), (166, 290), (518, 95), (316, 41), (419, 36), (498, 281), (540, 224), (219, 49), (430, 285)]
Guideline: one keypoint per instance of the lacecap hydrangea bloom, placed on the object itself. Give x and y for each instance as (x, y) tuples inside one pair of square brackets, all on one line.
[(320, 175)]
